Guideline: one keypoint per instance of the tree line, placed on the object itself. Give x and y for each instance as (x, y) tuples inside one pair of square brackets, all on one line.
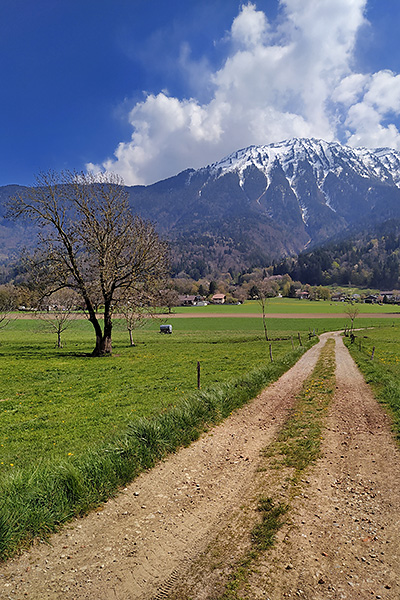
[(368, 259)]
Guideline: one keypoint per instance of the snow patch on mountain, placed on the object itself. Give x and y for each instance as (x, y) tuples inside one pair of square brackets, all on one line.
[(298, 155), (328, 203), (323, 157), (390, 159)]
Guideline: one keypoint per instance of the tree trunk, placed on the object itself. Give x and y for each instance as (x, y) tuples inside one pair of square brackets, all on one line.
[(131, 337), (59, 342), (265, 329), (103, 346), (103, 339)]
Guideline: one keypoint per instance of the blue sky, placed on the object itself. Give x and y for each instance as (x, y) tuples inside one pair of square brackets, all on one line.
[(147, 88)]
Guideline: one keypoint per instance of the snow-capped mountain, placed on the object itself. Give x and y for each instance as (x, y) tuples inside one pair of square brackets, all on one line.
[(324, 157), (323, 160), (263, 202)]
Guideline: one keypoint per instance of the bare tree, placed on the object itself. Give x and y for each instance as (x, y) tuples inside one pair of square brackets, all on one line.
[(6, 307), (137, 310), (57, 311), (352, 312), (168, 299), (91, 243), (265, 290)]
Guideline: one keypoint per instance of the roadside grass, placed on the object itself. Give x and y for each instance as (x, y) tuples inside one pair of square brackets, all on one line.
[(74, 429), (296, 448), (377, 354)]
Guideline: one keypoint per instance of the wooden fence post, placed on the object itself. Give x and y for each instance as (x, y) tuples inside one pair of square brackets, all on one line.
[(198, 375)]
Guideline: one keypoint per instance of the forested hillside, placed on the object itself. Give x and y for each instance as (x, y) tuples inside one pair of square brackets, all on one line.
[(367, 259)]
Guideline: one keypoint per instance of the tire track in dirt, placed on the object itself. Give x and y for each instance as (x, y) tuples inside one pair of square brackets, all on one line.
[(138, 544)]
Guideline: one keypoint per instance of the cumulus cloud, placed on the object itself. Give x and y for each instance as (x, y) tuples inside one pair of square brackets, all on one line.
[(251, 28), (371, 101), (291, 79)]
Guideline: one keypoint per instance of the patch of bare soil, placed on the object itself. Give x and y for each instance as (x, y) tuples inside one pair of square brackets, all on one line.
[(178, 529)]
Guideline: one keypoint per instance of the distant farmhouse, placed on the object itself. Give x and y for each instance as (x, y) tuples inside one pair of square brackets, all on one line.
[(218, 299), (188, 300)]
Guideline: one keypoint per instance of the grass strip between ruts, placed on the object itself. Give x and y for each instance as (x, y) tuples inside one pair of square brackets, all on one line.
[(36, 502), (297, 446)]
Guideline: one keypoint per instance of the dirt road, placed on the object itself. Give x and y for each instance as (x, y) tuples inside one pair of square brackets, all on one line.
[(196, 315), (176, 531)]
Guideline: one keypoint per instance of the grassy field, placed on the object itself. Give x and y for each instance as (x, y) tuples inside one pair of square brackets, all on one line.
[(377, 353), (290, 305)]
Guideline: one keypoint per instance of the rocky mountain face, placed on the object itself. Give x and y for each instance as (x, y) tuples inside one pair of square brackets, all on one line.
[(264, 202)]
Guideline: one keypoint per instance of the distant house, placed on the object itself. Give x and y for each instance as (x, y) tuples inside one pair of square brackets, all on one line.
[(388, 295), (218, 299), (187, 300), (338, 298), (371, 299), (302, 295)]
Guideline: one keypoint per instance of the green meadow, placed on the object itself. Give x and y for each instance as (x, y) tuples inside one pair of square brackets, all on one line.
[(291, 306), (58, 403)]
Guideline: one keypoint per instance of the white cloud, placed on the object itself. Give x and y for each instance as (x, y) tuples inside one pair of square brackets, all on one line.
[(251, 28), (350, 89), (291, 80), (384, 92), (378, 98)]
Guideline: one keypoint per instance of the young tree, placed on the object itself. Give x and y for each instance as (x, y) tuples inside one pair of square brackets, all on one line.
[(57, 312), (7, 304), (91, 243), (265, 290), (352, 312), (135, 318), (137, 310)]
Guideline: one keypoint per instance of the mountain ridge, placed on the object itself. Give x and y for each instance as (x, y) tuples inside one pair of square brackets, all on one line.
[(261, 203), (285, 197)]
